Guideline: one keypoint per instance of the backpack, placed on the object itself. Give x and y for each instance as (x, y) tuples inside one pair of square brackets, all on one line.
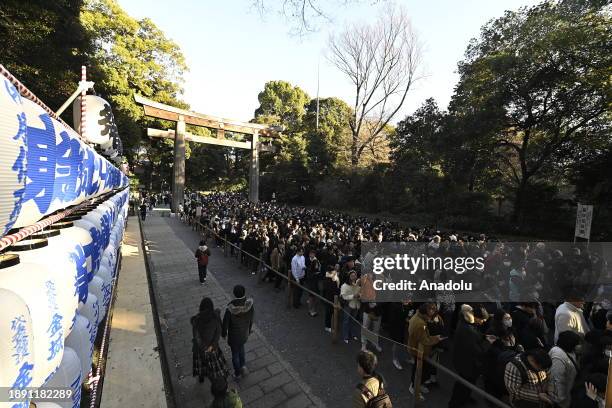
[(381, 400), (509, 356)]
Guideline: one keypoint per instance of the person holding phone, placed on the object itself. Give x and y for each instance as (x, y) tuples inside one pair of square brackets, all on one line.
[(469, 351)]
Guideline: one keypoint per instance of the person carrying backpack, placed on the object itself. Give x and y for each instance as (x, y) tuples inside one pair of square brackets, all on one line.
[(202, 254), (370, 391), (208, 359), (526, 379)]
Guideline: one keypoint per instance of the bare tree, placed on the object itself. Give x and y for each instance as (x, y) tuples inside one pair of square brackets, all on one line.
[(382, 61), (303, 14)]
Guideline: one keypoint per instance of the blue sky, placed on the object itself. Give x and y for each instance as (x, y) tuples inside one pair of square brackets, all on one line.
[(232, 50)]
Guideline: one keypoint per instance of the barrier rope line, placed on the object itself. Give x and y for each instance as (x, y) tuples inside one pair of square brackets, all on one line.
[(434, 363)]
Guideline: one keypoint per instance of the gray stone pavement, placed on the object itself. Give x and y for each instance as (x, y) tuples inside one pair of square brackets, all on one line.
[(328, 369), (272, 381)]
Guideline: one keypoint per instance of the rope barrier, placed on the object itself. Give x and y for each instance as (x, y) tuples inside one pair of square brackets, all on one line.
[(433, 363)]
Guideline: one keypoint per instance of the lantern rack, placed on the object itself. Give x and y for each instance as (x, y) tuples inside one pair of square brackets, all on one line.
[(25, 232)]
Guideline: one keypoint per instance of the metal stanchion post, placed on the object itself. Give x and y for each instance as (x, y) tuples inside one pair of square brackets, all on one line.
[(336, 320), (418, 374)]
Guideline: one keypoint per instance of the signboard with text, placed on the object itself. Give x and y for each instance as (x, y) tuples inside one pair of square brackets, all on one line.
[(584, 216)]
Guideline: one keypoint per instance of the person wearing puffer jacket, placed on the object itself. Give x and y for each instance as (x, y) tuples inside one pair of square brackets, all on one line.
[(564, 367)]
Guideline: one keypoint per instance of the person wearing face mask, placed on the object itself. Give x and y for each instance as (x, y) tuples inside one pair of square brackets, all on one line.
[(504, 347), (470, 347), (564, 367), (350, 295), (526, 379), (569, 316)]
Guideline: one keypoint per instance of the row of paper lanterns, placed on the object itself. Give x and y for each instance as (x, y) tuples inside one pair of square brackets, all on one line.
[(44, 165), (55, 289)]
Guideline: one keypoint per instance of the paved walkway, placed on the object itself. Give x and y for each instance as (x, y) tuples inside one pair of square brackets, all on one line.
[(272, 381), (133, 372)]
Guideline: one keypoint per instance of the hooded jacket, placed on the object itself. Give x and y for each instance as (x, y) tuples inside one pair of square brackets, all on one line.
[(238, 321), (202, 250)]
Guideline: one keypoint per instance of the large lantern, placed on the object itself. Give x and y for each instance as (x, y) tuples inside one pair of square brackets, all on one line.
[(40, 164), (16, 343), (12, 154), (67, 376), (99, 121), (80, 340), (56, 255), (36, 285)]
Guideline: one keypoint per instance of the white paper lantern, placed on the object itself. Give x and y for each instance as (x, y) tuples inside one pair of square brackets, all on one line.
[(96, 286), (99, 119), (36, 285), (58, 258), (67, 376), (12, 154), (109, 258), (40, 164), (91, 310), (107, 286), (69, 160), (80, 340), (16, 342), (86, 249)]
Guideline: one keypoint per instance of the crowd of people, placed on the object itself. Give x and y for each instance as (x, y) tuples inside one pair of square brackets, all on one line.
[(529, 350)]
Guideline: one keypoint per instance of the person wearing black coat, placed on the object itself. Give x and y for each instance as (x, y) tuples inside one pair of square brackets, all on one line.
[(331, 288), (208, 359), (399, 315), (469, 351), (237, 326)]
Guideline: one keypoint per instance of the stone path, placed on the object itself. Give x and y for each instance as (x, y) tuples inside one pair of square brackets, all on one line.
[(133, 372), (272, 381)]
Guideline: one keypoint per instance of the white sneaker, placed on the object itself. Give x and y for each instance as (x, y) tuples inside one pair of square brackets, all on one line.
[(328, 329), (346, 341), (364, 348), (378, 348), (397, 364)]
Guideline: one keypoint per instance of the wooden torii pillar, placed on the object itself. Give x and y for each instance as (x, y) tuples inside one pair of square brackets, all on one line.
[(180, 136)]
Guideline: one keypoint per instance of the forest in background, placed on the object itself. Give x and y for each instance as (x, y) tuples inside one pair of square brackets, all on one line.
[(526, 135)]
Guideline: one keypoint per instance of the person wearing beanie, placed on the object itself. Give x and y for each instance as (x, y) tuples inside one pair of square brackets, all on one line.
[(237, 326)]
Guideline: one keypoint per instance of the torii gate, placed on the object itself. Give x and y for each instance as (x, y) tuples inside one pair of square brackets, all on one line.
[(183, 117)]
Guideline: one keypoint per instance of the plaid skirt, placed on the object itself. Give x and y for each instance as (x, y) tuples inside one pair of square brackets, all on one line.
[(211, 364)]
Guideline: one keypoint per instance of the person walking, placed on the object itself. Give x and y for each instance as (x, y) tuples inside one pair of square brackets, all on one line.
[(202, 254), (298, 271), (349, 293), (372, 316), (143, 210), (208, 359), (237, 326)]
